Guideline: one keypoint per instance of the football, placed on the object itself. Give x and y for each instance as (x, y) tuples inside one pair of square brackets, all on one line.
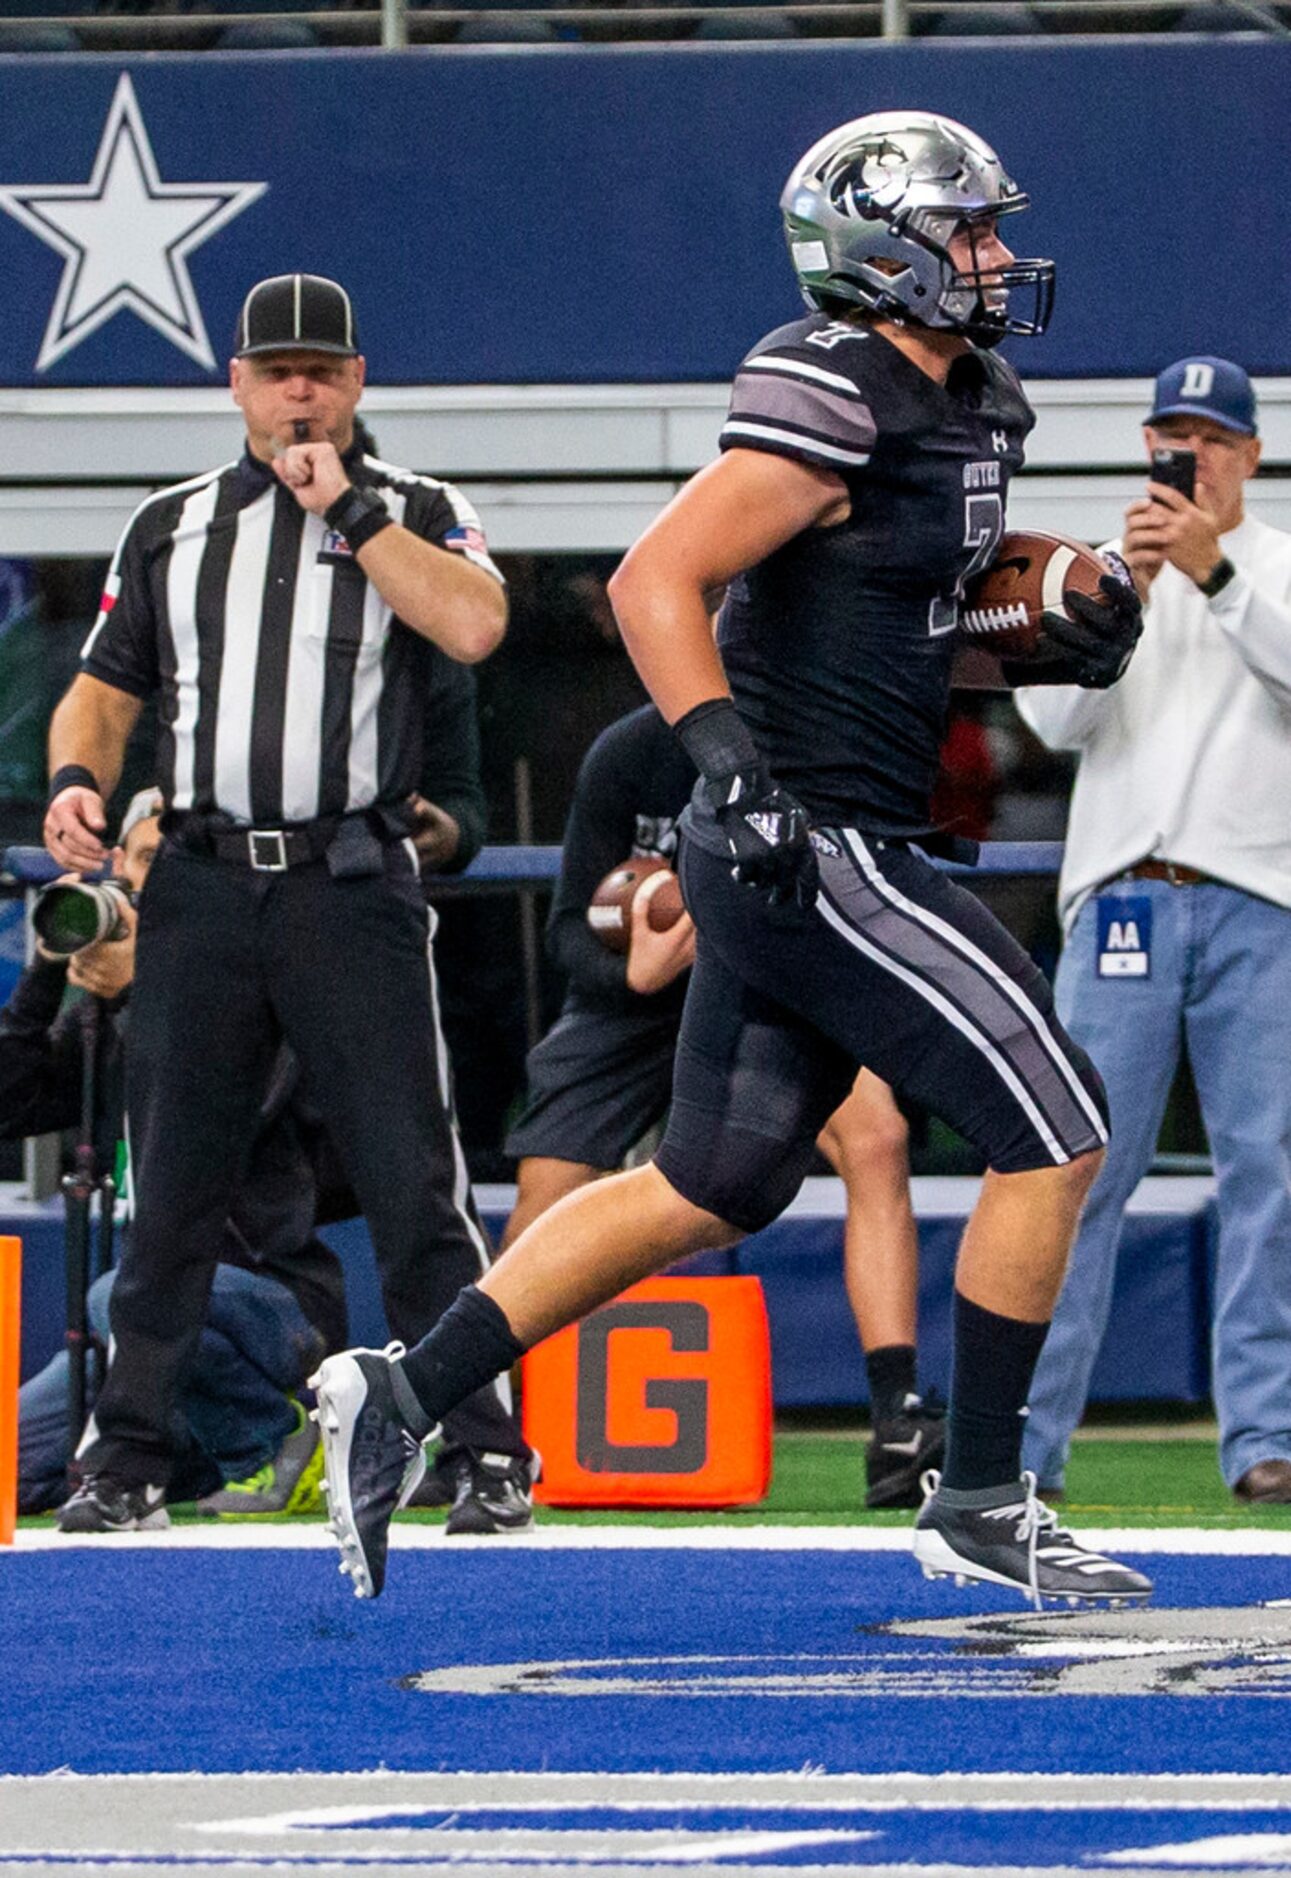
[(1031, 573), (610, 913)]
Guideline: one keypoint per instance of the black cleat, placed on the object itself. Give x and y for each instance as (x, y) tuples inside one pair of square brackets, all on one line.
[(101, 1504), (494, 1493), (1018, 1543), (902, 1450), (437, 1487), (373, 1460)]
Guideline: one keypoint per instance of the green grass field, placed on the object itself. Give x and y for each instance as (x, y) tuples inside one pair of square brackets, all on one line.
[(1153, 1474)]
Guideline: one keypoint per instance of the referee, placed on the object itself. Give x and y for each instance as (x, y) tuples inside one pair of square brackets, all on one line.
[(276, 607)]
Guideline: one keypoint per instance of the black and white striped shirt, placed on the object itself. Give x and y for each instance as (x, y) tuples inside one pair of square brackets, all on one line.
[(288, 690)]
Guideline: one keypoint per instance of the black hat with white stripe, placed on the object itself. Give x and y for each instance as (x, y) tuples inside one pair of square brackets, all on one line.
[(297, 313)]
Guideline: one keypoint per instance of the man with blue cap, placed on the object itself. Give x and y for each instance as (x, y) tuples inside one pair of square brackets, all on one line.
[(1176, 898)]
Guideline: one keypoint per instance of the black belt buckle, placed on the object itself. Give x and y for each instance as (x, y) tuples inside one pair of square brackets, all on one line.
[(267, 850)]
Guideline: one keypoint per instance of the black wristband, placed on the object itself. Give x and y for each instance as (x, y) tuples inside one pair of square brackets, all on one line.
[(358, 514), (73, 776), (1217, 579), (717, 740)]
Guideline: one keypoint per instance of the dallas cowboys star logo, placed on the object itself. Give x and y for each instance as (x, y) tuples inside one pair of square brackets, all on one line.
[(126, 237)]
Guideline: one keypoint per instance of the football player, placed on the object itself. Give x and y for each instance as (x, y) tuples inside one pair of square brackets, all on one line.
[(864, 468), (601, 1080)]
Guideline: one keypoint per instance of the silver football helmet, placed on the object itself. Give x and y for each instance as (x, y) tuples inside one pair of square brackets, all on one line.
[(869, 213)]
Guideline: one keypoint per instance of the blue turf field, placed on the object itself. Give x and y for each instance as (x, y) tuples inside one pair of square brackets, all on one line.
[(502, 1657)]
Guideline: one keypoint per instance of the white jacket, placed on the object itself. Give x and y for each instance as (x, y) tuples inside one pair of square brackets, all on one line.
[(1188, 757)]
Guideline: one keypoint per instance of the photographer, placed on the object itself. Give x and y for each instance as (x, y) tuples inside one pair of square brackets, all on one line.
[(277, 1300), (1176, 898)]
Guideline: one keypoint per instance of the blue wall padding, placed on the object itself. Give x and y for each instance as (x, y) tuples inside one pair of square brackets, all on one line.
[(1156, 1344), (610, 214)]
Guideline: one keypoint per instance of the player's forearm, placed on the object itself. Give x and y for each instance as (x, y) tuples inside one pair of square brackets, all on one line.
[(90, 729), (667, 631), (441, 595)]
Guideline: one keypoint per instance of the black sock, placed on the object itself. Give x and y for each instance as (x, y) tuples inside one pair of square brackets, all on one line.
[(995, 1358), (470, 1345), (891, 1377)]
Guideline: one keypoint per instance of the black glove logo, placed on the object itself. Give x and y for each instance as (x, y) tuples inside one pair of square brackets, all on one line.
[(769, 837)]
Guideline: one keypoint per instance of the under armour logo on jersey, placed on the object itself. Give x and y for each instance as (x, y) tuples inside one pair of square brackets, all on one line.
[(1000, 441), (1198, 380)]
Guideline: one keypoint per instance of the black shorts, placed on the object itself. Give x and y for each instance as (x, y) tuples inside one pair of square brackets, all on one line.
[(895, 968), (597, 1082)]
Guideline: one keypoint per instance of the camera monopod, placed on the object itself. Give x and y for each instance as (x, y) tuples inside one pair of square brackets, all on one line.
[(85, 1355)]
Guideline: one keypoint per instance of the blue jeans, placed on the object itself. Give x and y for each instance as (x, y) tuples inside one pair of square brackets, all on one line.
[(256, 1349), (1221, 983)]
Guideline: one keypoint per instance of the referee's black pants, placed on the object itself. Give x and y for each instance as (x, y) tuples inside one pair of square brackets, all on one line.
[(229, 961)]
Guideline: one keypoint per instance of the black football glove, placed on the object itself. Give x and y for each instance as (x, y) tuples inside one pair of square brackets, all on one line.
[(768, 835), (1093, 649), (766, 831)]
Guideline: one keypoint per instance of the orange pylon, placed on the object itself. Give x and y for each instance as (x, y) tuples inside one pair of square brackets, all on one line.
[(10, 1334)]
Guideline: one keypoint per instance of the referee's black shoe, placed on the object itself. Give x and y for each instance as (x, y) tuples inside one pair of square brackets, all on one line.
[(902, 1449), (494, 1493), (101, 1504), (1008, 1536), (373, 1460)]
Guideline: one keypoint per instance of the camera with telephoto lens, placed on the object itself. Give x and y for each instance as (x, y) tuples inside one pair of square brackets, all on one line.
[(72, 914)]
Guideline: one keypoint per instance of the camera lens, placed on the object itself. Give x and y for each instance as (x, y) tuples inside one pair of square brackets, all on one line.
[(74, 915)]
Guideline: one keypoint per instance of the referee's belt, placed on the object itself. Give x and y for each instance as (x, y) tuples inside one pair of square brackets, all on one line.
[(274, 850)]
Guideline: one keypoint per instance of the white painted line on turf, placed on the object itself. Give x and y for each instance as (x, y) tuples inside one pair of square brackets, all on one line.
[(1172, 1540), (508, 1788), (1238, 1849)]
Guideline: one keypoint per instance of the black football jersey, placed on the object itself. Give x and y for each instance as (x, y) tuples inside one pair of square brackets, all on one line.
[(632, 788), (839, 645)]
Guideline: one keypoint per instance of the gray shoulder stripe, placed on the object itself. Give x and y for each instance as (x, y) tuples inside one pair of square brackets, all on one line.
[(774, 400)]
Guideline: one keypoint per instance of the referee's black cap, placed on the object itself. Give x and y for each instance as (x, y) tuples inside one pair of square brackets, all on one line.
[(297, 312)]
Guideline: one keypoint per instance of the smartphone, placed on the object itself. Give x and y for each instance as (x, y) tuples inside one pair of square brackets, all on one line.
[(1177, 469)]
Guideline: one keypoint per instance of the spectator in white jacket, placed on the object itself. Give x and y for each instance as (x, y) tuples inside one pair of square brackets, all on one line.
[(1176, 900)]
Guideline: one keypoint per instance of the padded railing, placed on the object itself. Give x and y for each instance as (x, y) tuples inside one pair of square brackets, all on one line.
[(501, 869)]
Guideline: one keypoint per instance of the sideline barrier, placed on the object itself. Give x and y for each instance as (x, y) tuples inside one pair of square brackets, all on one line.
[(502, 868), (1157, 1343), (10, 1340), (662, 1397)]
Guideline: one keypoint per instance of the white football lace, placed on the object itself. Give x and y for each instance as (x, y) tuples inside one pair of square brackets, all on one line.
[(1037, 1518)]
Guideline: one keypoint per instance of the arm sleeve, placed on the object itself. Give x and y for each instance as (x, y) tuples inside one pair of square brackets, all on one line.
[(450, 773), (122, 647), (40, 1056), (598, 835), (1064, 717), (799, 408), (1258, 627), (440, 514)]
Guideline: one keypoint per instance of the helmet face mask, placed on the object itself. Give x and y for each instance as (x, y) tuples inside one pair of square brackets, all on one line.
[(870, 212)]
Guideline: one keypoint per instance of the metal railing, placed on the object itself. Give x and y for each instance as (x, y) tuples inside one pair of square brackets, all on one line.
[(394, 25)]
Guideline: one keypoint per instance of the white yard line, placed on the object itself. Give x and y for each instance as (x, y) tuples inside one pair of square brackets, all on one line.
[(716, 1538)]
